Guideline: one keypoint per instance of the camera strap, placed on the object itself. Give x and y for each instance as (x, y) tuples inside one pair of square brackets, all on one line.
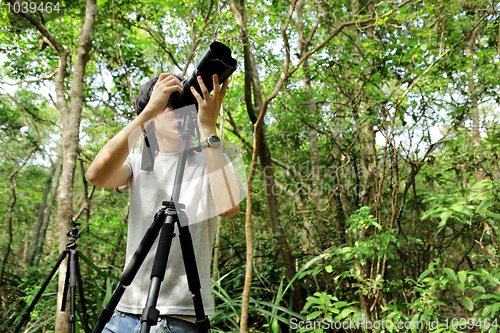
[(149, 148)]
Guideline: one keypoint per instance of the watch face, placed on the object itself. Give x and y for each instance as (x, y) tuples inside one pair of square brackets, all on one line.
[(214, 141)]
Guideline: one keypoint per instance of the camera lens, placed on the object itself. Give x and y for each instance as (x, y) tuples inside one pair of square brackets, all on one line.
[(217, 59)]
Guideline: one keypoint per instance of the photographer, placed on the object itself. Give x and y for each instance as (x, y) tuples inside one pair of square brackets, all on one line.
[(206, 192)]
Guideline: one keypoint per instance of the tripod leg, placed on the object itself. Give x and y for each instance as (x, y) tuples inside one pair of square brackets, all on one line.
[(66, 283), (72, 288), (26, 315), (130, 271), (78, 274), (193, 278), (150, 314)]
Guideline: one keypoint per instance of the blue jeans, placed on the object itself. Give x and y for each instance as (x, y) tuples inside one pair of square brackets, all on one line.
[(129, 323)]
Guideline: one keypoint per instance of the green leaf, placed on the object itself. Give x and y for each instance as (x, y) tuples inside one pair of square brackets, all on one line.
[(313, 315), (468, 303), (275, 327), (491, 214), (494, 309), (444, 217), (347, 311), (480, 289), (425, 273), (313, 300), (458, 208), (486, 310), (109, 291), (450, 273), (462, 275), (492, 279)]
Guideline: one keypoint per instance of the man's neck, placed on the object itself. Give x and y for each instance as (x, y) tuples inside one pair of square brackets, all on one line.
[(170, 146)]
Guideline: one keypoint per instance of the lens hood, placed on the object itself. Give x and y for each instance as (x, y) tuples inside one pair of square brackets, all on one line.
[(217, 59)]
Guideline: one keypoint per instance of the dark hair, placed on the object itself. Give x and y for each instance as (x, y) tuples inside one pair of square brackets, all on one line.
[(145, 93)]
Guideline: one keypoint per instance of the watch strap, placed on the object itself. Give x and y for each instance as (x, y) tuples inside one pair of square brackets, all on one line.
[(208, 141)]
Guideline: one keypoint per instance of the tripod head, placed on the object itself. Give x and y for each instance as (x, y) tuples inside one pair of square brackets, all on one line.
[(188, 127), (73, 234)]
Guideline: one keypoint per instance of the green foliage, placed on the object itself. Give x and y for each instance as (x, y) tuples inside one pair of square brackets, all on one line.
[(329, 307), (400, 225)]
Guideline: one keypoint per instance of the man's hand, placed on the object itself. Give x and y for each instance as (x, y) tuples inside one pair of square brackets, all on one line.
[(209, 107), (164, 87)]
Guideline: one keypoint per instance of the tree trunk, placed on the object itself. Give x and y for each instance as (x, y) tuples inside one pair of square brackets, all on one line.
[(45, 211), (474, 109), (337, 195), (365, 127), (318, 233), (479, 171), (87, 198), (368, 153), (41, 211), (70, 134), (304, 42)]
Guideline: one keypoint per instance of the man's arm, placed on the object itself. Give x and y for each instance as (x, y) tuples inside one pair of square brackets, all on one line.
[(225, 189), (108, 168)]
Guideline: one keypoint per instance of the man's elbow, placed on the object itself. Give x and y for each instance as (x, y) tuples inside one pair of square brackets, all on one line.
[(93, 178), (231, 212)]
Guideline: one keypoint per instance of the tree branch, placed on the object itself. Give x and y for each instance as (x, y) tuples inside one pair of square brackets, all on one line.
[(339, 29), (32, 80)]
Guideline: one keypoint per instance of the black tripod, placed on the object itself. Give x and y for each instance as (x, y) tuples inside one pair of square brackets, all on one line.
[(164, 221), (73, 278)]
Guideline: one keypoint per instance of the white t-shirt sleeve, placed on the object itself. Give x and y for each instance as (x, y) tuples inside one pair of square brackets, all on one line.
[(122, 189)]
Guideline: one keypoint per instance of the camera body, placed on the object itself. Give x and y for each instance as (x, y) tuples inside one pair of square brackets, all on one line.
[(217, 59), (73, 233)]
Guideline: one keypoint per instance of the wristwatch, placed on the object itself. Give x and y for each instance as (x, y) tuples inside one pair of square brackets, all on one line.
[(212, 141)]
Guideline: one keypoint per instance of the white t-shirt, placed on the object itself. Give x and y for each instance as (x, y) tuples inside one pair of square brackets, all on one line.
[(148, 190)]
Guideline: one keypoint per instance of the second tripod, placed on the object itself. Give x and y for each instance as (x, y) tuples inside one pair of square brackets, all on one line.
[(73, 279)]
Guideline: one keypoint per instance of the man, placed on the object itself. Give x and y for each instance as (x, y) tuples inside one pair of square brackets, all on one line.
[(209, 189)]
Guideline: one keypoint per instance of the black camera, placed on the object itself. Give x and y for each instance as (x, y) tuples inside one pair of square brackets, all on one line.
[(73, 232), (217, 59)]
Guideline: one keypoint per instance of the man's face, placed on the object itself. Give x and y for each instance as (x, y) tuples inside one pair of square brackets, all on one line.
[(165, 125)]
